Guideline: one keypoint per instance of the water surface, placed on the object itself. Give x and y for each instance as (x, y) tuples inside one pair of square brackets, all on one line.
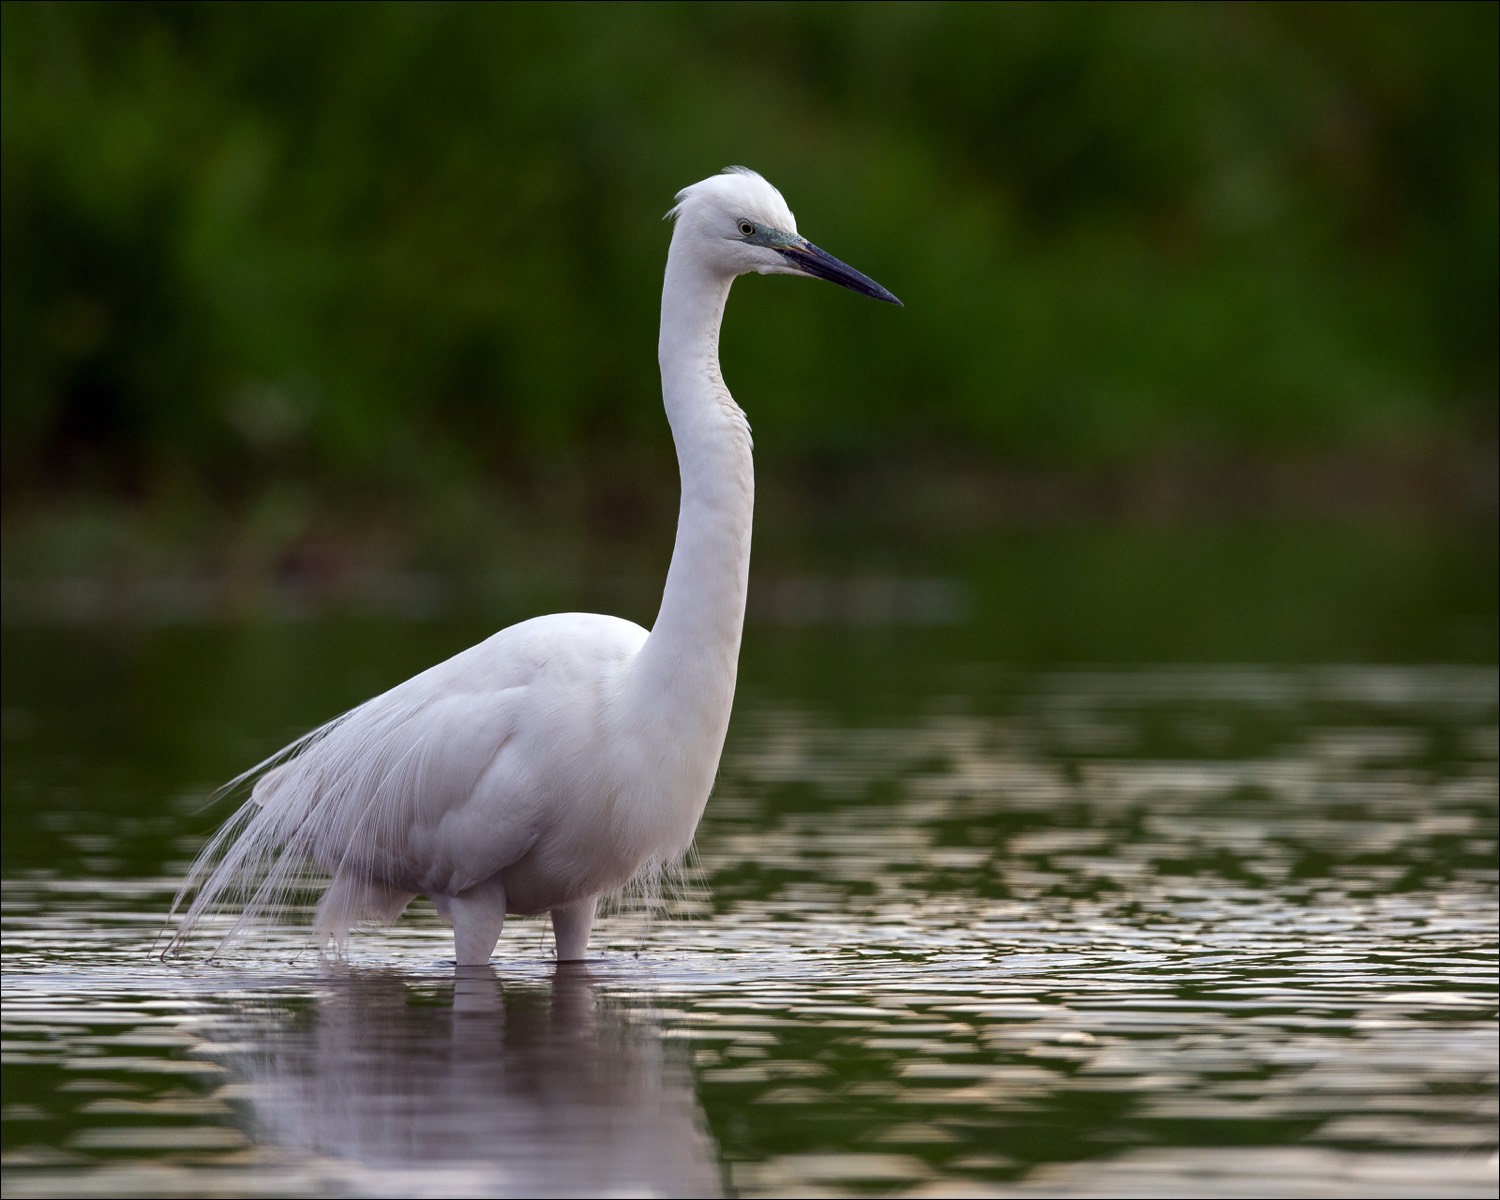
[(967, 926)]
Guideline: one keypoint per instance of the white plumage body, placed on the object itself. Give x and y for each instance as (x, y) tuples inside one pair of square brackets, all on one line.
[(560, 758)]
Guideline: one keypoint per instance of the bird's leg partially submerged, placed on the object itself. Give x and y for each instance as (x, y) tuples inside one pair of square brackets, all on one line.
[(350, 899), (478, 916), (571, 924)]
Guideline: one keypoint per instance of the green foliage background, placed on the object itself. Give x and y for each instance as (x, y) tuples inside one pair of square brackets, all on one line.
[(402, 255)]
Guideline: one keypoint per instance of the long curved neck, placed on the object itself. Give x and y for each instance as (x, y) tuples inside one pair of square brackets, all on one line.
[(692, 652)]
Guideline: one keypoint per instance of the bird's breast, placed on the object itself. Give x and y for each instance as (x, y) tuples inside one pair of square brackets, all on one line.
[(602, 832)]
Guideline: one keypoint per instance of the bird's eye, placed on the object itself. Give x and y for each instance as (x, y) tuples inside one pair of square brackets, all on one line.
[(746, 229)]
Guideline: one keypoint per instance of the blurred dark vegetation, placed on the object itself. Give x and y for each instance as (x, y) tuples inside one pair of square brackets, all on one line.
[(276, 269)]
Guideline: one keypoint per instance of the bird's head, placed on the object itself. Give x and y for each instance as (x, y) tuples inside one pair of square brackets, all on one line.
[(737, 223)]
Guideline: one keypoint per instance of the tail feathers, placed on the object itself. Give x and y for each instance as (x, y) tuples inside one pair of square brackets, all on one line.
[(338, 801), (263, 791), (350, 900)]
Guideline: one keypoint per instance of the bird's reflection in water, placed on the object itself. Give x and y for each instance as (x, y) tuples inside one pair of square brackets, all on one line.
[(474, 1087)]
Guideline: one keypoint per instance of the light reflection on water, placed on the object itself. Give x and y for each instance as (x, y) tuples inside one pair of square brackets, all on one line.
[(1210, 932)]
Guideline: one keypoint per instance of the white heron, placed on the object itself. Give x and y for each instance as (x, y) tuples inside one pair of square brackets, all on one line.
[(562, 757)]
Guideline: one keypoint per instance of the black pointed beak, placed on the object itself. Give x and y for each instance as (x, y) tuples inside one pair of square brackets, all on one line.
[(808, 259)]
